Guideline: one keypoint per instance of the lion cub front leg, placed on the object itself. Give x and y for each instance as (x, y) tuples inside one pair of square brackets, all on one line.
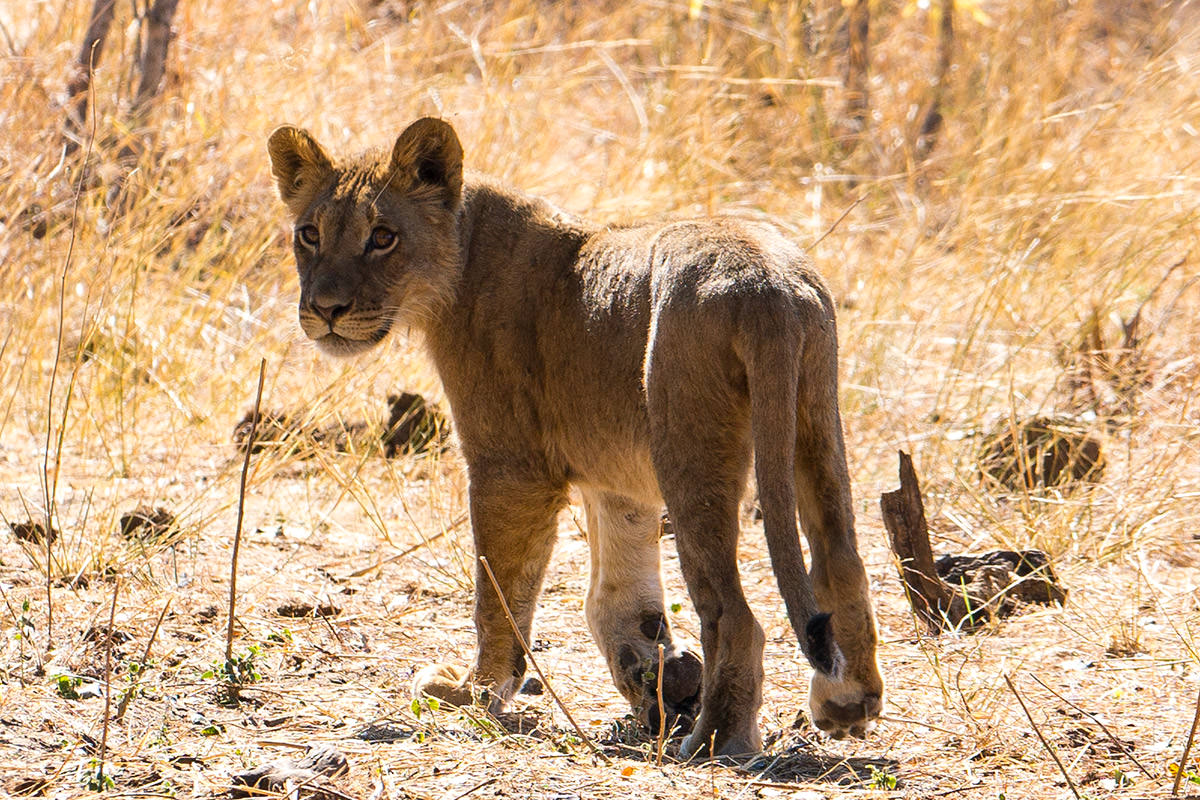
[(626, 614), (514, 528)]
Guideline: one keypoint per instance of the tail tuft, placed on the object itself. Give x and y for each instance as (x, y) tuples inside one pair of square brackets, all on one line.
[(822, 649)]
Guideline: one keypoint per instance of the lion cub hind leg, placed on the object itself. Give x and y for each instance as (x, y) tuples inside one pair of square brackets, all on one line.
[(625, 612), (849, 701), (706, 535), (702, 463), (513, 522)]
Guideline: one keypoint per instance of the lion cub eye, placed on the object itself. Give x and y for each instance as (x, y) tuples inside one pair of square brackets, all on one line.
[(309, 236), (381, 239)]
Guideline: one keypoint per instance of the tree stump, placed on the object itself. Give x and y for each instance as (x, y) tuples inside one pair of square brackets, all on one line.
[(959, 592)]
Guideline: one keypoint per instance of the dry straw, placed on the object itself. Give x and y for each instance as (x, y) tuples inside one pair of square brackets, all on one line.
[(1034, 257)]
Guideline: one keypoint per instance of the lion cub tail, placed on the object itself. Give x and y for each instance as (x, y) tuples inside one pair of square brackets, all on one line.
[(773, 368)]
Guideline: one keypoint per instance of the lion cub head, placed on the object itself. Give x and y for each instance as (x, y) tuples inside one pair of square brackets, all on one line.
[(374, 235)]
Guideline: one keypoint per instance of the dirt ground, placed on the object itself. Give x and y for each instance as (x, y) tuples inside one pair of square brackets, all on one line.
[(334, 619)]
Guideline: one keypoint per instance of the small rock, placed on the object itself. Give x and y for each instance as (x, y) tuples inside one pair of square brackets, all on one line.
[(385, 731)]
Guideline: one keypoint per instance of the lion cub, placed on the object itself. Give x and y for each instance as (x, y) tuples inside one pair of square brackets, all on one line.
[(643, 365)]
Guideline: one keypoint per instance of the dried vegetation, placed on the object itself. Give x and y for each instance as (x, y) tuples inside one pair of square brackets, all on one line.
[(1019, 243)]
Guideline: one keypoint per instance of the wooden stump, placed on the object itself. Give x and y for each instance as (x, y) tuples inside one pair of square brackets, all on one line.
[(959, 592)]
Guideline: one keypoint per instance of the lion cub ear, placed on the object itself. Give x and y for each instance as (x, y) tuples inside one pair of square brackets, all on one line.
[(299, 166), (429, 153)]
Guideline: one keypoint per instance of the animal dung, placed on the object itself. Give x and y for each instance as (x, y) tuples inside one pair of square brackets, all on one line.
[(32, 532), (301, 608), (148, 524), (413, 427)]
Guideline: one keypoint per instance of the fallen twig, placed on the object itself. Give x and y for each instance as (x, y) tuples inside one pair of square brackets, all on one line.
[(1187, 750), (529, 655), (358, 573), (108, 645), (1096, 720), (662, 711), (475, 788), (1042, 739), (241, 507), (917, 722), (124, 704), (836, 222)]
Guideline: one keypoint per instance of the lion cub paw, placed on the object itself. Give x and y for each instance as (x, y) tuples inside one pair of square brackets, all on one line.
[(448, 683), (682, 677)]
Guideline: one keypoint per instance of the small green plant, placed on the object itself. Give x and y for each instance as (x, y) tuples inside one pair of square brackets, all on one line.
[(282, 636), (882, 779), (421, 704), (567, 743), (483, 723), (68, 686), (25, 627), (1190, 775), (93, 776), (238, 670), (133, 674)]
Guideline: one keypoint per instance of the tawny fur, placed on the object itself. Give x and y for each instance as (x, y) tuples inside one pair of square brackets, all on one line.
[(642, 364)]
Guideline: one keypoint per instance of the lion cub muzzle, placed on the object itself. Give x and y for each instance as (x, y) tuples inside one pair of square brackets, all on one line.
[(331, 316)]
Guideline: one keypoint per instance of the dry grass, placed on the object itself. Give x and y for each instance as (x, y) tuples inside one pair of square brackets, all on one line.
[(987, 284)]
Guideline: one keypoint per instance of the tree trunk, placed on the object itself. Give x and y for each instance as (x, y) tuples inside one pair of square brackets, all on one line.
[(157, 40), (857, 75), (931, 123), (959, 592), (80, 84)]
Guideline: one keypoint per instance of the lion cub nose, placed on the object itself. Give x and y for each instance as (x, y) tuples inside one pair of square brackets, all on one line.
[(330, 298), (330, 312)]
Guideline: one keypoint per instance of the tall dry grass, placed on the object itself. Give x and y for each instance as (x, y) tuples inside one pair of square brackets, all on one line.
[(976, 285)]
